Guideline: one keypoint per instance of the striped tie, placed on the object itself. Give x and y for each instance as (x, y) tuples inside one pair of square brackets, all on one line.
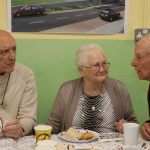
[(148, 98)]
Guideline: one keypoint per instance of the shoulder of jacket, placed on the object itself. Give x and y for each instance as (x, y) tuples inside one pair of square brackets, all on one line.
[(22, 69), (115, 83), (71, 83)]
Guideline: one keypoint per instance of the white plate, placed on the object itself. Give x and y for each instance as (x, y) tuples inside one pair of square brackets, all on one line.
[(67, 138), (104, 137), (132, 148)]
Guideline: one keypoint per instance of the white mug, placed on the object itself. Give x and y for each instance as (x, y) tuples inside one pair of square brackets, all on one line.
[(131, 134)]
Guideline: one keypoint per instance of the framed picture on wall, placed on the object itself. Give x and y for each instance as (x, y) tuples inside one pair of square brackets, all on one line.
[(69, 16), (9, 15)]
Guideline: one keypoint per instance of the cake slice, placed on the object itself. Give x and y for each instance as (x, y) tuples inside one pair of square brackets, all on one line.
[(74, 133)]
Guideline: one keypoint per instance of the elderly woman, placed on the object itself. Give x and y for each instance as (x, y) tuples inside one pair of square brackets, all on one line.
[(94, 101)]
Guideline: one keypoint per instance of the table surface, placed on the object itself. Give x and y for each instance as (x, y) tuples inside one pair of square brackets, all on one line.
[(29, 143)]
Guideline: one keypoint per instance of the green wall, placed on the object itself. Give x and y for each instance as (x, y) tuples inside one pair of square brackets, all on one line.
[(53, 62)]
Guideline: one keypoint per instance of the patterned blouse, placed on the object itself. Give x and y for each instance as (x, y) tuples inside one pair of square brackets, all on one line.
[(95, 113)]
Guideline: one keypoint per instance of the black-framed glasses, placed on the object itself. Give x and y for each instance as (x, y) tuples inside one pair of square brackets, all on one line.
[(96, 67)]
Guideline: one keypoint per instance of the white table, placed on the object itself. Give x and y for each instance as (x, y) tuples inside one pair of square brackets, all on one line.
[(28, 143)]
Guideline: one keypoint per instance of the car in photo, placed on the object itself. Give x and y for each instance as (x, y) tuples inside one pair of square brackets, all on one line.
[(109, 14), (28, 10)]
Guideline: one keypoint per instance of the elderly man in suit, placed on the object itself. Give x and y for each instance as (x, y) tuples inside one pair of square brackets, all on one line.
[(18, 92), (141, 62)]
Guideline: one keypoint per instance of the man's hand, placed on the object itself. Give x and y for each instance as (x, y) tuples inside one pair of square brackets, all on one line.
[(119, 125), (145, 131), (13, 129)]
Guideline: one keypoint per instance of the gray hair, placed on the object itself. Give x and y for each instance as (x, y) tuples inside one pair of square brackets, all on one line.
[(81, 55)]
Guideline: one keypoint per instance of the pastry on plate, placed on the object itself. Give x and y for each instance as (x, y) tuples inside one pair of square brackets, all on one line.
[(88, 135), (74, 133), (79, 135)]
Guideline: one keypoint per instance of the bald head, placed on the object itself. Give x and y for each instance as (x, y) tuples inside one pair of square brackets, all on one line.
[(7, 52), (3, 32), (141, 61), (5, 35), (144, 44)]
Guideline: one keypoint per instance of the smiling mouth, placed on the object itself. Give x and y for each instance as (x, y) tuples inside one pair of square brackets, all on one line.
[(99, 75)]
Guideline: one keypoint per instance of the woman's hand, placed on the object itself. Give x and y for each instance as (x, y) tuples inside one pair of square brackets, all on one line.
[(119, 125)]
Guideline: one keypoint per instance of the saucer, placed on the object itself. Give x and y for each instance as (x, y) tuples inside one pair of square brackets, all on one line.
[(132, 148)]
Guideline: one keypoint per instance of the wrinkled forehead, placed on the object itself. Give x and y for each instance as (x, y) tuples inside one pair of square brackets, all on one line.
[(6, 40)]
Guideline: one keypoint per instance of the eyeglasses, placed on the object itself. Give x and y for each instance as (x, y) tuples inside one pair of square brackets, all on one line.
[(96, 67), (4, 52)]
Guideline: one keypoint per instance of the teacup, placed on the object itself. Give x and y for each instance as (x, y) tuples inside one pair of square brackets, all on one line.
[(42, 132), (131, 134)]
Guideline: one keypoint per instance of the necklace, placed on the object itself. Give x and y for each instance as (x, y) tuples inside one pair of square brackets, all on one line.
[(92, 102), (5, 90), (91, 112), (93, 108)]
